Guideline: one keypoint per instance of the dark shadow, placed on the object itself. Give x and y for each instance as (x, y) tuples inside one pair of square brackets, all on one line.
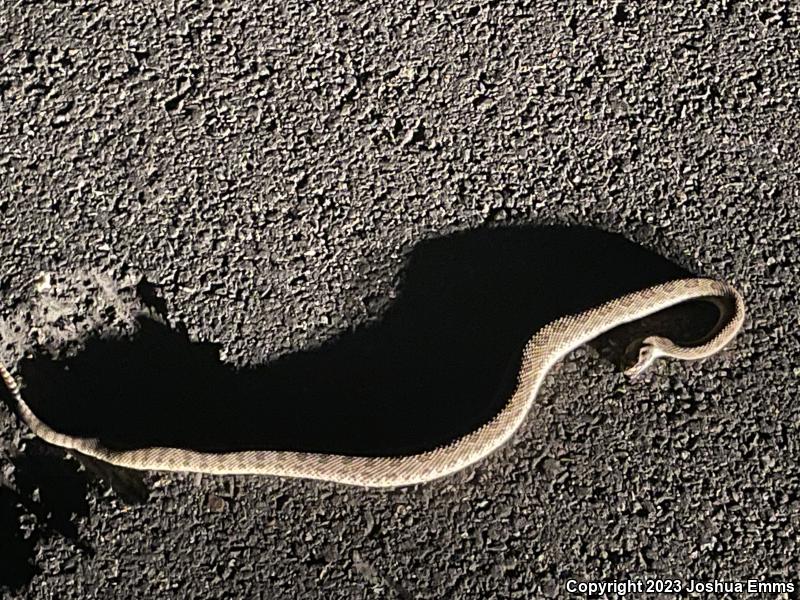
[(16, 567), (149, 294), (48, 495), (53, 489), (439, 364)]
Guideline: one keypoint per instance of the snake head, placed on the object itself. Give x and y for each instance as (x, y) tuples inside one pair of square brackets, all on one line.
[(638, 357)]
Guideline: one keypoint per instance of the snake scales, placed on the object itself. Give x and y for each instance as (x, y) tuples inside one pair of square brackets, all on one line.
[(547, 346)]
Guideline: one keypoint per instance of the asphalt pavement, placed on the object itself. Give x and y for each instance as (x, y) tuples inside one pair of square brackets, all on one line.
[(256, 178)]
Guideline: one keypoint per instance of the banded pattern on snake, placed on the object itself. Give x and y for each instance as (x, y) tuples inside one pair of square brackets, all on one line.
[(544, 349)]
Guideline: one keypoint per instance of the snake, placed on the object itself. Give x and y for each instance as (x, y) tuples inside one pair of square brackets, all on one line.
[(546, 347)]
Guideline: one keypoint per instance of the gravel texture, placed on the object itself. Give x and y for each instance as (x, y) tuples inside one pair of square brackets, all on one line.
[(257, 173)]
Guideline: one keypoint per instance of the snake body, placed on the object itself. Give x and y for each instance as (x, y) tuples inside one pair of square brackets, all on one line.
[(547, 346)]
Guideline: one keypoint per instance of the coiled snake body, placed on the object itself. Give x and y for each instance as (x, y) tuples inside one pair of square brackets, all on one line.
[(547, 346)]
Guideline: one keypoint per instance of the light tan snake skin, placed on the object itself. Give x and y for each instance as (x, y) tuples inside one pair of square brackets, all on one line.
[(543, 350)]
